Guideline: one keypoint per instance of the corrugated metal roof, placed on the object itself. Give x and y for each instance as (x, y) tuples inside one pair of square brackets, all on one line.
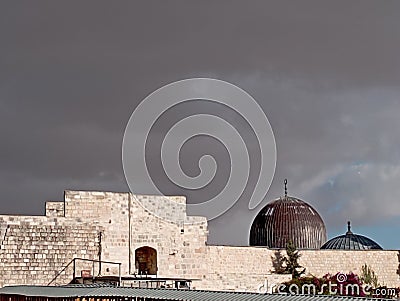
[(159, 294)]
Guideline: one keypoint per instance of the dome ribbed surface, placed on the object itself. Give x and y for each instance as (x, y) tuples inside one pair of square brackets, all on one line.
[(288, 219), (351, 241)]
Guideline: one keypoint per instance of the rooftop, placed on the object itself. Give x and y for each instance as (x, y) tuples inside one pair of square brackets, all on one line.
[(110, 292)]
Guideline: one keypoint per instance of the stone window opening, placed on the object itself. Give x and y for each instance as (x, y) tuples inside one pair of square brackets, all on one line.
[(146, 261)]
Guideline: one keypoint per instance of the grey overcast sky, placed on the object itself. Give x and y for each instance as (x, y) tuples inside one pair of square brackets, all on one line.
[(326, 73)]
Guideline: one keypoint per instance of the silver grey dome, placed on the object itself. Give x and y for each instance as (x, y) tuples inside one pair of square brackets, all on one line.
[(351, 241)]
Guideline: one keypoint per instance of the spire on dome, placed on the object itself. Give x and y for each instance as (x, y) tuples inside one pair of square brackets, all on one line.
[(349, 228), (285, 182)]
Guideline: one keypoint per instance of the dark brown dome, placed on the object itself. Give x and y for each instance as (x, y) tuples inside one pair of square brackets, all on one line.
[(288, 219)]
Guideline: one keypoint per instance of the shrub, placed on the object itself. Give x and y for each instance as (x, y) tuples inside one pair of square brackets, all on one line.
[(368, 276), (291, 261)]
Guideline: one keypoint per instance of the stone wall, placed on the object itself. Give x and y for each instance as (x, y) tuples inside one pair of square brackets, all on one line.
[(34, 249), (54, 209), (245, 269), (180, 247), (179, 240), (110, 210), (384, 263)]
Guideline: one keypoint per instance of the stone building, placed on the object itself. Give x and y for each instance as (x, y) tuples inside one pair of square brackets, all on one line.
[(117, 227)]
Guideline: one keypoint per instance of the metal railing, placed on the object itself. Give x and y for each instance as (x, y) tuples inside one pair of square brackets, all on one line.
[(93, 261)]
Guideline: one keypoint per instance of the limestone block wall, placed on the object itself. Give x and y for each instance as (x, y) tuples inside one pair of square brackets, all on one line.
[(92, 206), (246, 268), (171, 208), (179, 240), (181, 249), (34, 249), (384, 263), (54, 209), (110, 210), (240, 269)]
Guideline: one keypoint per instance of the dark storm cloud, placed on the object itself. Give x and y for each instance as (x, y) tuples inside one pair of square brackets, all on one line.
[(326, 74)]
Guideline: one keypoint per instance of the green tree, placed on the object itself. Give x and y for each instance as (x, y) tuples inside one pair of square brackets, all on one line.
[(292, 261), (368, 276)]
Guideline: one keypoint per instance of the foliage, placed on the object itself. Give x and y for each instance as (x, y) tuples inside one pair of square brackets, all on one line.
[(368, 276), (346, 287), (278, 261), (292, 265)]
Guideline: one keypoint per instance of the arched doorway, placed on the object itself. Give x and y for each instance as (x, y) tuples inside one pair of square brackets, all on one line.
[(146, 261)]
